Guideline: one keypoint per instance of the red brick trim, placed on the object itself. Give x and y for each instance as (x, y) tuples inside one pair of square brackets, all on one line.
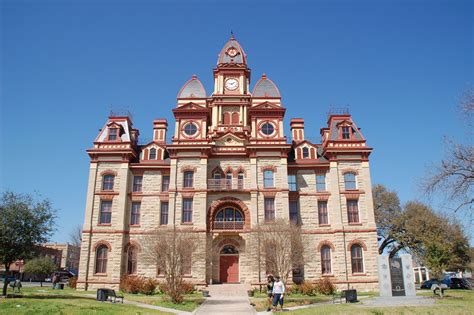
[(132, 243), (228, 201), (350, 170), (268, 168), (269, 194), (187, 194), (102, 242), (358, 242), (324, 197), (318, 231), (135, 197), (324, 243), (188, 168), (108, 172)]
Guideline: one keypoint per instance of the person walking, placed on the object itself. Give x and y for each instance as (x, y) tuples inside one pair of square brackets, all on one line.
[(270, 282), (278, 292), (55, 281)]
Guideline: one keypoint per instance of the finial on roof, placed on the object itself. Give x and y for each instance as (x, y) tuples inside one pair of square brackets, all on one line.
[(232, 35), (264, 76), (194, 77)]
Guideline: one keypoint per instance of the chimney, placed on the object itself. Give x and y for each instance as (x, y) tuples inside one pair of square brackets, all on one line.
[(297, 129), (160, 126)]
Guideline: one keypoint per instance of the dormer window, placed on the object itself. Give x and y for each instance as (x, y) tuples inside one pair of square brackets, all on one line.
[(152, 154), (346, 132), (113, 134), (305, 153)]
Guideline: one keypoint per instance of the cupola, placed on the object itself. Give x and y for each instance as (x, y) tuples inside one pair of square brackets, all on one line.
[(265, 88), (232, 53), (192, 89)]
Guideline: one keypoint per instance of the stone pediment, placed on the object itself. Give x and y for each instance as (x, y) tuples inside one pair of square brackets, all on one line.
[(192, 106), (266, 105), (230, 139)]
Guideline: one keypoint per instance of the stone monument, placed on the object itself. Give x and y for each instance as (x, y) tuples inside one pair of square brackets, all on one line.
[(396, 276)]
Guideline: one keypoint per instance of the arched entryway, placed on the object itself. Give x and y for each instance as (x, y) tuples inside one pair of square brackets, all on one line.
[(229, 264)]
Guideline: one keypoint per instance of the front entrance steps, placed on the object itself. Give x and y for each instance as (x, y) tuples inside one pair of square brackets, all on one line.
[(226, 299)]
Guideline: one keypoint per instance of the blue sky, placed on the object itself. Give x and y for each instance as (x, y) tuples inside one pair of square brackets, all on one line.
[(400, 67)]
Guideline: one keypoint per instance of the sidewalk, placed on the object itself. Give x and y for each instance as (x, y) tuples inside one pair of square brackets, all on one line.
[(226, 299)]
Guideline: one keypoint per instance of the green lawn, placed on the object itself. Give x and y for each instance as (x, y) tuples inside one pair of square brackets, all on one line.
[(455, 302), (44, 300), (190, 303), (261, 303)]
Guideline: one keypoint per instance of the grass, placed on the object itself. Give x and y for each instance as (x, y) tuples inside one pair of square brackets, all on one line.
[(45, 300), (455, 302), (190, 303), (261, 303)]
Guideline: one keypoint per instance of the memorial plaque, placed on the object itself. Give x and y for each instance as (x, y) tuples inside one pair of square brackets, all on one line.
[(396, 275)]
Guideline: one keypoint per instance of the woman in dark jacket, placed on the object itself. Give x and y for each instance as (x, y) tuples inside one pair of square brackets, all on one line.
[(270, 282)]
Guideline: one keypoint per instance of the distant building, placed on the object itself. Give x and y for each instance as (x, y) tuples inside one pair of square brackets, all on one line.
[(69, 254), (228, 167), (41, 251)]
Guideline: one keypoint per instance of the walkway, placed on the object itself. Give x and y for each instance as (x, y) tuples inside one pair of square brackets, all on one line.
[(226, 299), (390, 301)]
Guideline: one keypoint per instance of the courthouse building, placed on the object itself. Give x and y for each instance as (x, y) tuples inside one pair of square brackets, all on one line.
[(228, 167)]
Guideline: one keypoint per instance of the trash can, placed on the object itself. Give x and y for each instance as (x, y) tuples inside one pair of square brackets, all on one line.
[(351, 296), (102, 295), (60, 286)]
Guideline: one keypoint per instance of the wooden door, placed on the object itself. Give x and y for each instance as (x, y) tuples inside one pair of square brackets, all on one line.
[(229, 269)]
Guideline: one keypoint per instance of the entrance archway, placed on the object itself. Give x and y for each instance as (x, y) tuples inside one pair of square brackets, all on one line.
[(229, 264)]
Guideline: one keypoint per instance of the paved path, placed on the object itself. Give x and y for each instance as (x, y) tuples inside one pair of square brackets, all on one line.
[(398, 301), (226, 299)]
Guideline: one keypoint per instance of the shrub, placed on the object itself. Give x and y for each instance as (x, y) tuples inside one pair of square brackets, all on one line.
[(149, 286), (325, 286), (293, 289), (131, 284), (307, 288), (187, 288), (72, 282)]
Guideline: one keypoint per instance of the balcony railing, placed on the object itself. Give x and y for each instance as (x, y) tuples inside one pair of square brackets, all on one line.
[(228, 225), (225, 184)]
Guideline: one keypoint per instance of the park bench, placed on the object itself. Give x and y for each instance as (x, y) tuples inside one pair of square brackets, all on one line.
[(339, 297), (109, 295)]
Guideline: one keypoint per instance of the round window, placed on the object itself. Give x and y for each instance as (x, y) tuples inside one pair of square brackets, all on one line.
[(190, 129), (267, 129)]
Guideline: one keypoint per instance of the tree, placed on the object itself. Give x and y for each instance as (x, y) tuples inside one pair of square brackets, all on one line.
[(75, 236), (25, 222), (454, 176), (173, 251), (281, 247), (387, 211), (41, 266)]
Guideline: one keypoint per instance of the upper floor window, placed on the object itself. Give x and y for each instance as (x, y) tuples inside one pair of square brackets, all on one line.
[(164, 213), (105, 215), (326, 260), (292, 182), (268, 179), (228, 180), (230, 215), (357, 260), (108, 182), (135, 213), (165, 183), (188, 179), (294, 215), (346, 132), (305, 153), (320, 182), (267, 129), (137, 183), (352, 211), (152, 155), (240, 180), (350, 181), (323, 212), (235, 118), (113, 134), (187, 213), (190, 129), (101, 259), (269, 209)]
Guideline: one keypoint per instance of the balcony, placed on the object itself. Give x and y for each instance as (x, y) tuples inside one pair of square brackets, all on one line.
[(225, 184), (228, 225)]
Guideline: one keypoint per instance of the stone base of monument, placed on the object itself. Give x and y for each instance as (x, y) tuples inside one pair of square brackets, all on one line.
[(396, 276)]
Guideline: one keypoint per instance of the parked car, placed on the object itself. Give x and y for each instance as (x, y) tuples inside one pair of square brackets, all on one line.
[(451, 282), (428, 283)]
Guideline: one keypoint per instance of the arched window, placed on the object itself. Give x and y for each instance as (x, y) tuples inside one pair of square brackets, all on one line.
[(326, 260), (357, 259), (235, 118), (229, 214), (101, 259), (226, 118), (305, 153), (350, 181), (228, 180), (240, 180), (152, 154), (132, 260), (229, 250), (108, 182)]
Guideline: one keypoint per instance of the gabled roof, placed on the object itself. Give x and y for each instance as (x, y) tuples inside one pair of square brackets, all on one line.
[(192, 89), (232, 52), (265, 88)]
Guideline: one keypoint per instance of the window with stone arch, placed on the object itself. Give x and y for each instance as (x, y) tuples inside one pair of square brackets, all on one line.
[(350, 181), (132, 260), (326, 260), (357, 259), (229, 214), (101, 259), (152, 155)]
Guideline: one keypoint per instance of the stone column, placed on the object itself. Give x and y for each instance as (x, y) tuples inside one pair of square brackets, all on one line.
[(385, 282), (408, 275)]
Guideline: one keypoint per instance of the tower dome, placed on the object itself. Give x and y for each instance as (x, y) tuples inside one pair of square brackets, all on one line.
[(192, 89), (265, 88), (232, 52)]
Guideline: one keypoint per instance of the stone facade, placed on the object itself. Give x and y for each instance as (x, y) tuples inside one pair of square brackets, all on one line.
[(228, 168)]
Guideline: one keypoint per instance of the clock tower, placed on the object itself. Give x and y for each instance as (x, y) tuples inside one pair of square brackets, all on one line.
[(231, 98)]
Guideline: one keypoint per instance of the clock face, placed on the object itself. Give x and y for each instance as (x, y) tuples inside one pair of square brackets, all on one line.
[(232, 52), (231, 84)]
